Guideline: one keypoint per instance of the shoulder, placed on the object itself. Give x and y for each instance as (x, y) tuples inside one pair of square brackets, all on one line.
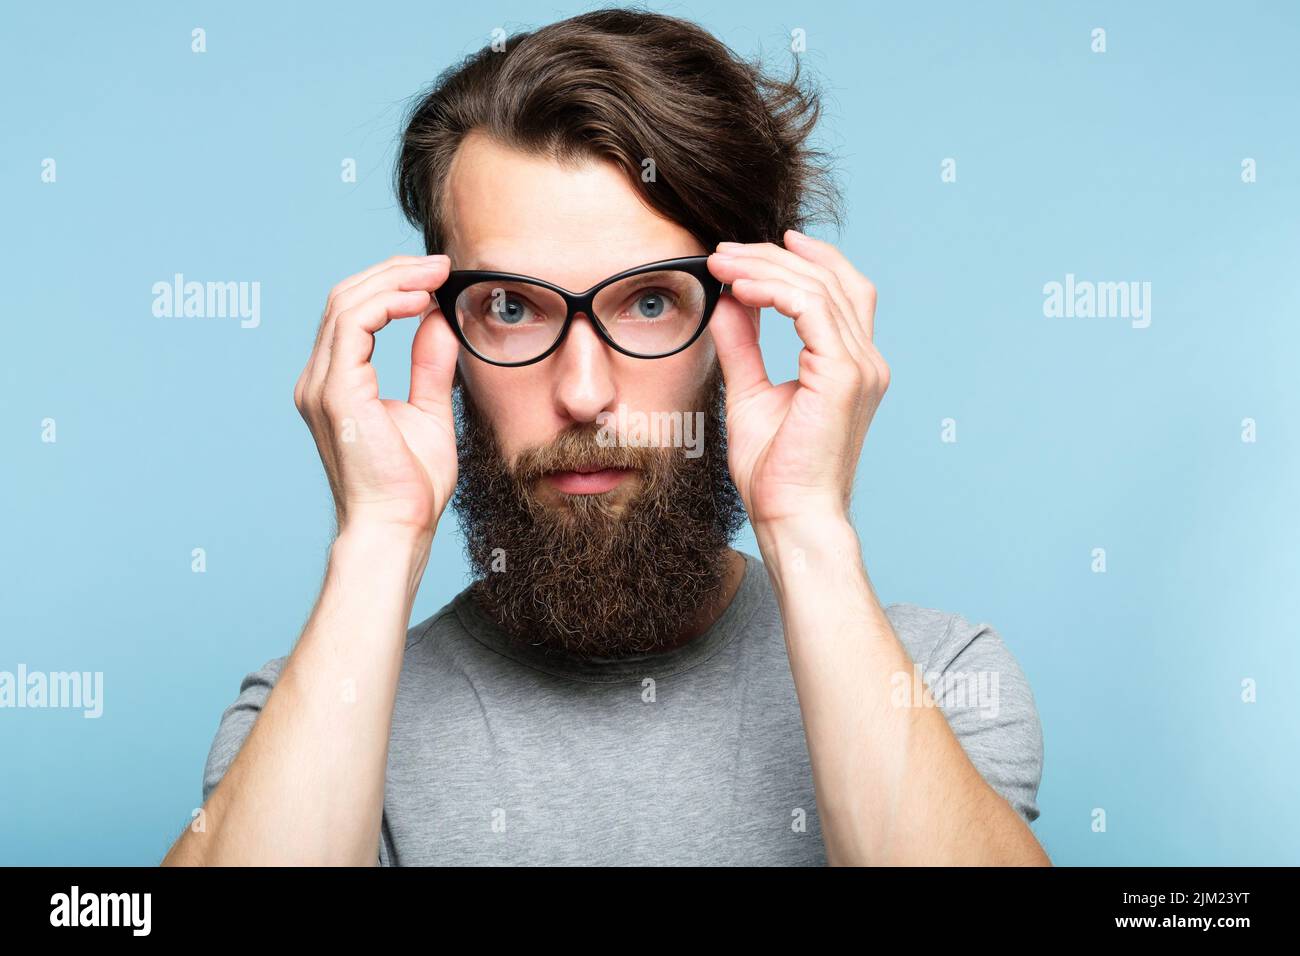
[(255, 688), (939, 640), (976, 680), (238, 719)]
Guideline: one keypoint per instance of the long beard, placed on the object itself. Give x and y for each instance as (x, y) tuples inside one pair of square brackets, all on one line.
[(583, 576)]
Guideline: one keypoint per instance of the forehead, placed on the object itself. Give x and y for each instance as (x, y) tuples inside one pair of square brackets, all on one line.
[(571, 224)]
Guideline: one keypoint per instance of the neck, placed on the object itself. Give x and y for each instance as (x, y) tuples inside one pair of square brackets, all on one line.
[(708, 615)]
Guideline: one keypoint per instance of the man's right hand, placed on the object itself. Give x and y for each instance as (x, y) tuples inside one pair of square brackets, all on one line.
[(390, 464), (307, 784)]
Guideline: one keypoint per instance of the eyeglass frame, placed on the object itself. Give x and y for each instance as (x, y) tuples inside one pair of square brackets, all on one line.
[(697, 266)]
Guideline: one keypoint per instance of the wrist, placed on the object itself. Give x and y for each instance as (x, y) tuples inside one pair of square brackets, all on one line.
[(813, 542), (393, 551)]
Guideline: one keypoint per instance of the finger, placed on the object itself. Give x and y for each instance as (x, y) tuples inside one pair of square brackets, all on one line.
[(433, 364), (810, 311), (862, 290), (314, 371), (730, 267), (355, 328), (427, 273), (815, 272), (735, 339), (352, 281)]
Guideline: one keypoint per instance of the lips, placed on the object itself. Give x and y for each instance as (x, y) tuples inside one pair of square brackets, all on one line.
[(588, 480)]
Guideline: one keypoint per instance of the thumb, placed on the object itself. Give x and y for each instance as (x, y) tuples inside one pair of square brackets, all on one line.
[(433, 363), (735, 337)]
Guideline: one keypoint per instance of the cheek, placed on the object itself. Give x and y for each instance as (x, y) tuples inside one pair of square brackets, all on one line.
[(673, 383), (514, 400), (699, 361)]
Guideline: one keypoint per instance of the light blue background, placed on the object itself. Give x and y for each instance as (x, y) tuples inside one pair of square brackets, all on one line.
[(1072, 433)]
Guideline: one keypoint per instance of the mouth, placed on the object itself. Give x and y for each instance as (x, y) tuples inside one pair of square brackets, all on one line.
[(588, 481)]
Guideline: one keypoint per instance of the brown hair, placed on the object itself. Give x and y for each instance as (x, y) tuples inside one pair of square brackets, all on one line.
[(728, 142)]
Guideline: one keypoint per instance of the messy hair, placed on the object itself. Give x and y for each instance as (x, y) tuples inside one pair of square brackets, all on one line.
[(709, 140)]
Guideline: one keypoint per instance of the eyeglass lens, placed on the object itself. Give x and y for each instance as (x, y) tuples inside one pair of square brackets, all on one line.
[(650, 314)]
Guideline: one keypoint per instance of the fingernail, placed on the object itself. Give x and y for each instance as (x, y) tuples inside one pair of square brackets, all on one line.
[(728, 245)]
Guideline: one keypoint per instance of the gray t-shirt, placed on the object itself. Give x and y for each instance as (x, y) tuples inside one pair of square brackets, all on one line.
[(506, 753)]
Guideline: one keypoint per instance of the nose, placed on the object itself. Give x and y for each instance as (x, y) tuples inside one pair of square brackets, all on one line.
[(584, 373)]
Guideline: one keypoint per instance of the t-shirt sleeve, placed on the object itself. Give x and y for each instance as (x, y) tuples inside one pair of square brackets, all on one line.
[(236, 723), (990, 707)]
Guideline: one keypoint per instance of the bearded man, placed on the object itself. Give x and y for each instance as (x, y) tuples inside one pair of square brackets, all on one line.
[(608, 204)]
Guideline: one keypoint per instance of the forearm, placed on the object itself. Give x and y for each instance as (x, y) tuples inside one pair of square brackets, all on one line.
[(893, 784), (307, 787)]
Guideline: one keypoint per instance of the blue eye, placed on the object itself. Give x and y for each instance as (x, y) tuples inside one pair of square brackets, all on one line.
[(510, 310), (651, 305)]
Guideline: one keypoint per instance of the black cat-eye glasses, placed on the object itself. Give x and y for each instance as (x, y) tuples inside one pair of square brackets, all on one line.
[(649, 311)]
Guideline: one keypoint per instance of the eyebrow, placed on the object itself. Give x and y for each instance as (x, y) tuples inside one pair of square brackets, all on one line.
[(484, 266), (477, 265)]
